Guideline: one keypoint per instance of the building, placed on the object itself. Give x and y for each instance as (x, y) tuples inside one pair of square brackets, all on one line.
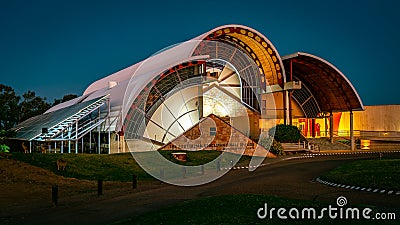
[(233, 72)]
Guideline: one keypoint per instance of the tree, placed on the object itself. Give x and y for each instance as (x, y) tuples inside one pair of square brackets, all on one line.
[(9, 108), (64, 99), (32, 105)]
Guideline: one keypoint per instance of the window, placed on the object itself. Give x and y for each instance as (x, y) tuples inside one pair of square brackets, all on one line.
[(213, 131)]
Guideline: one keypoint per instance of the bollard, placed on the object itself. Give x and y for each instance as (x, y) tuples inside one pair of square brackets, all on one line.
[(218, 166), (54, 194), (134, 181), (99, 187), (202, 169)]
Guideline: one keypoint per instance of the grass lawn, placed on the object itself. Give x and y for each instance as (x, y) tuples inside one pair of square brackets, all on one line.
[(195, 158), (235, 209), (114, 167), (374, 173)]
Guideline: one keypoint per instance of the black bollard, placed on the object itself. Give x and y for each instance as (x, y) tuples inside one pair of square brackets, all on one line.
[(134, 181), (202, 169), (54, 194), (218, 166), (99, 187)]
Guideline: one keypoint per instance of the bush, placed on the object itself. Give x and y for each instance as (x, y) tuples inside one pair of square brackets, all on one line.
[(286, 133), (4, 148), (270, 143), (7, 134)]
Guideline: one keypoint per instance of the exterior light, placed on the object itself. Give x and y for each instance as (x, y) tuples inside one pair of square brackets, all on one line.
[(365, 144)]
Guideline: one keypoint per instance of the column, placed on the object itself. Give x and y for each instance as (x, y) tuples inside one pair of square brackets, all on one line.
[(200, 100), (326, 125), (76, 137), (290, 94), (69, 139), (313, 127), (331, 127), (352, 131), (62, 142), (285, 107)]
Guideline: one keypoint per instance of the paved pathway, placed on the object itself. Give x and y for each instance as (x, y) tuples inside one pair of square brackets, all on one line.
[(287, 178)]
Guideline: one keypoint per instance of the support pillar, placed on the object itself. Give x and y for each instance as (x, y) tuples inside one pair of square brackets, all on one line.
[(331, 127), (62, 142), (109, 126), (352, 131), (69, 139), (90, 141), (123, 143), (313, 131), (290, 108), (109, 141), (30, 146), (99, 138), (76, 137), (200, 100), (285, 108), (118, 142), (326, 126), (290, 94)]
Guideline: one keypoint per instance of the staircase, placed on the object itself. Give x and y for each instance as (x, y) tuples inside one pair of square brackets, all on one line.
[(68, 123), (293, 148)]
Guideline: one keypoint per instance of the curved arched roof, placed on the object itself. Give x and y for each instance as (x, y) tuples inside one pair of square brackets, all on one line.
[(330, 87), (256, 45)]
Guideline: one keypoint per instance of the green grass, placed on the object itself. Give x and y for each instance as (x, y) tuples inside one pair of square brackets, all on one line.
[(195, 158), (344, 141), (114, 167), (234, 209), (375, 173)]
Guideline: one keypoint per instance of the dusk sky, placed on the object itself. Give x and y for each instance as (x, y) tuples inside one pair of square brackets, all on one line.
[(60, 47)]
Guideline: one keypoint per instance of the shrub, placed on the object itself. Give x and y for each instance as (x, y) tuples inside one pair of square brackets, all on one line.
[(286, 133), (4, 148), (270, 143), (7, 134)]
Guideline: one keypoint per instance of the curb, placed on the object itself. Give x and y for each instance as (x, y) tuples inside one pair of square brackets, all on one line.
[(307, 156), (243, 167), (357, 188), (351, 153)]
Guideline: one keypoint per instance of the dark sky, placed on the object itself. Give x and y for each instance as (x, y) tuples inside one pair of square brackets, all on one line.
[(60, 47)]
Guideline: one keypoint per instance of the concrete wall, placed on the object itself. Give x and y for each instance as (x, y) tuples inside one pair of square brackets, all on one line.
[(374, 118)]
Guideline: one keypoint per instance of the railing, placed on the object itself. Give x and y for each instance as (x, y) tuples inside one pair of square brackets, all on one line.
[(361, 134)]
